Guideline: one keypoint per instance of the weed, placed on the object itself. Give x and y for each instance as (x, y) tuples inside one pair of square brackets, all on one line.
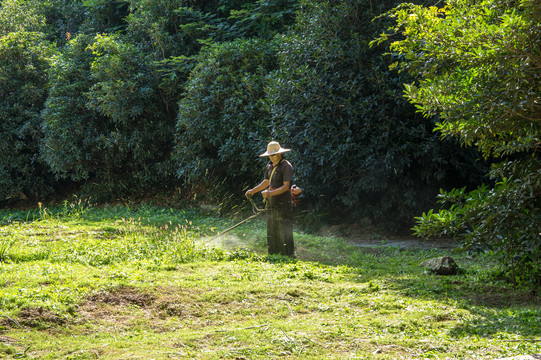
[(5, 245)]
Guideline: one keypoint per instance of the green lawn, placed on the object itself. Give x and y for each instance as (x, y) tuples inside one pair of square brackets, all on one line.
[(155, 283)]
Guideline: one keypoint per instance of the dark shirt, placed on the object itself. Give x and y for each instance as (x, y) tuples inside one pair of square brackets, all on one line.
[(283, 172)]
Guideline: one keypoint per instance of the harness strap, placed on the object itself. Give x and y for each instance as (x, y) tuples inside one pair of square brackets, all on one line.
[(272, 173)]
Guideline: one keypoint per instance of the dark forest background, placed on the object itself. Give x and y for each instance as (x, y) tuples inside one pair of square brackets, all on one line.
[(134, 99)]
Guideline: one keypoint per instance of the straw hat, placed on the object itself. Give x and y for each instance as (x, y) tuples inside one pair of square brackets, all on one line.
[(274, 148)]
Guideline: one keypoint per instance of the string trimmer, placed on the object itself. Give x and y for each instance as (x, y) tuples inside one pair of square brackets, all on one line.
[(256, 210)]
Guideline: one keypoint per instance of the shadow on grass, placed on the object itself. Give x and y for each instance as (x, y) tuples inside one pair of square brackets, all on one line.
[(497, 307)]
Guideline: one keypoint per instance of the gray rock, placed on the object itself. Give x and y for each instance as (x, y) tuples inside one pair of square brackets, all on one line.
[(444, 265)]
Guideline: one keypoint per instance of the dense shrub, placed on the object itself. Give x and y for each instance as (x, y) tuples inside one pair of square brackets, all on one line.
[(479, 70), (171, 35), (264, 18), (64, 19), (113, 105), (24, 60), (222, 124), (22, 16), (360, 148), (103, 119), (71, 145), (58, 20), (105, 16)]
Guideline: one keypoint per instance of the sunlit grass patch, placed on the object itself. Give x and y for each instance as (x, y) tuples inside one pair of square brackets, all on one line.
[(142, 283), (103, 242)]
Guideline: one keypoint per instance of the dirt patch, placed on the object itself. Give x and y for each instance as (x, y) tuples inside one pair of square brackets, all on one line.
[(8, 340), (7, 322), (39, 317), (117, 309), (124, 308), (123, 296), (124, 305), (172, 308)]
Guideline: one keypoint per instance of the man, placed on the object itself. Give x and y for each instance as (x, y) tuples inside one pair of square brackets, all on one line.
[(276, 189)]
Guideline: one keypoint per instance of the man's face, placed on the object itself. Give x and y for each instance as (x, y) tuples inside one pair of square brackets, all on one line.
[(275, 158)]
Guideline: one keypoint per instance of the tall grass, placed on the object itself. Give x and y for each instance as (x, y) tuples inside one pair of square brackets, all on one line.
[(103, 236)]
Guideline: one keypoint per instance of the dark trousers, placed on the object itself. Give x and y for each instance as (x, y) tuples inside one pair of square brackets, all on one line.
[(280, 227)]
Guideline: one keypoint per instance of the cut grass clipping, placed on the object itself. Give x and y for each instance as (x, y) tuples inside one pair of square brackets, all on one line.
[(146, 283)]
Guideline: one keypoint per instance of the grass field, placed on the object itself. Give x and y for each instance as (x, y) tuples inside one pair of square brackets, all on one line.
[(115, 282)]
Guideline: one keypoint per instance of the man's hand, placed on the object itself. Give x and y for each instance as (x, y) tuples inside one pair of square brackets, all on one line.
[(266, 194), (249, 193)]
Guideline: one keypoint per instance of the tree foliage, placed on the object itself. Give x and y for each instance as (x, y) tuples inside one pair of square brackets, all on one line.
[(112, 110), (24, 60), (22, 16), (479, 67), (105, 16), (123, 134), (172, 35), (58, 20), (222, 122), (360, 148), (264, 18), (71, 144)]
